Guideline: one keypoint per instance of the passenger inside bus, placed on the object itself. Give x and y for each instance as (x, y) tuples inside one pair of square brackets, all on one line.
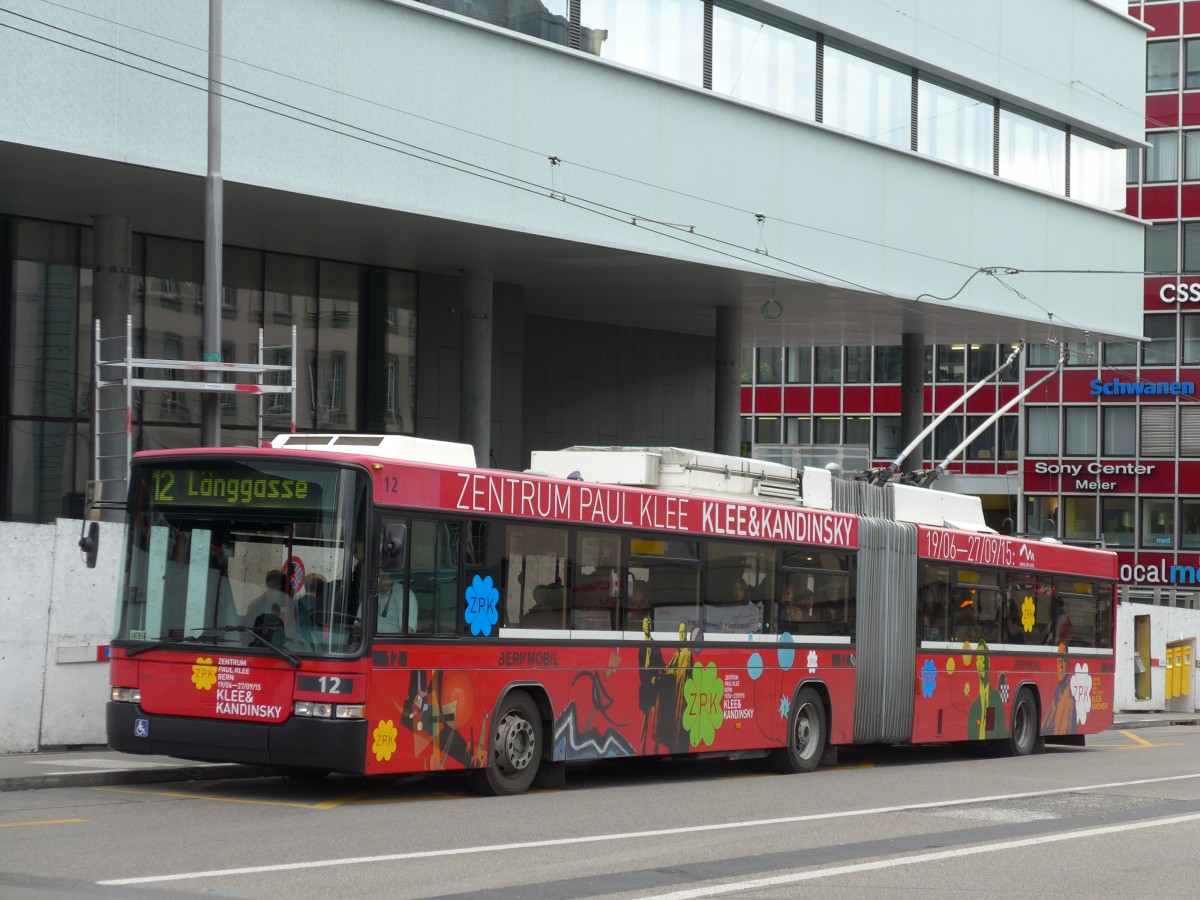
[(390, 605), (273, 596)]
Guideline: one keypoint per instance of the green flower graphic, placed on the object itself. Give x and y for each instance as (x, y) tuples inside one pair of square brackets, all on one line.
[(704, 714)]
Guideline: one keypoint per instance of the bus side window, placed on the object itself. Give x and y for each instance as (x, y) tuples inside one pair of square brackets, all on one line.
[(433, 568)]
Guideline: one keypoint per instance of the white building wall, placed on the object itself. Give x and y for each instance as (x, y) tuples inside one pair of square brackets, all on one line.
[(483, 98), (1167, 624)]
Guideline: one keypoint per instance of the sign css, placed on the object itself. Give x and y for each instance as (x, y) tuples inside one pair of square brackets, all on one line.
[(1189, 292)]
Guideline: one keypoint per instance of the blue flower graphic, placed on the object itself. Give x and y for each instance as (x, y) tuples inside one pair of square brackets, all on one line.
[(482, 598), (785, 707), (754, 666), (928, 678)]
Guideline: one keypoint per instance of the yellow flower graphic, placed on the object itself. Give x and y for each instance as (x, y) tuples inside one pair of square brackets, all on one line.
[(950, 665), (204, 673), (385, 740), (1027, 614)]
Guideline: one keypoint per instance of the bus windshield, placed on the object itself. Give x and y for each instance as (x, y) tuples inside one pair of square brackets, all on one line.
[(250, 553)]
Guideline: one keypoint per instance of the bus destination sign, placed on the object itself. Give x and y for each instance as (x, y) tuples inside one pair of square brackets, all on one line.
[(181, 487)]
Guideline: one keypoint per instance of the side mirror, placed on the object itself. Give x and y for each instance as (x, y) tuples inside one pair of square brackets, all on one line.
[(395, 543), (90, 544)]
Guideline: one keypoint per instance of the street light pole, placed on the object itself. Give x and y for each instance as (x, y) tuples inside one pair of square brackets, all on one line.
[(210, 403)]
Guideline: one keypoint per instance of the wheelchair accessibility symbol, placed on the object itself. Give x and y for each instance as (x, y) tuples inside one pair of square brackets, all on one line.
[(141, 728)]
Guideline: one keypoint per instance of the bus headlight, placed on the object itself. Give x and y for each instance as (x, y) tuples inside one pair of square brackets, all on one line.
[(126, 695), (327, 710)]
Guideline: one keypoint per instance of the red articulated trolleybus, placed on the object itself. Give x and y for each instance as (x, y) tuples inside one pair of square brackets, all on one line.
[(378, 605)]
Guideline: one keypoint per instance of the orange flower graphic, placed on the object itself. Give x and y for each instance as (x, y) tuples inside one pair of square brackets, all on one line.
[(204, 673)]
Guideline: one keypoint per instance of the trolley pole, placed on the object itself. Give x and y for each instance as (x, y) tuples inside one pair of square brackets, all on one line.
[(210, 403)]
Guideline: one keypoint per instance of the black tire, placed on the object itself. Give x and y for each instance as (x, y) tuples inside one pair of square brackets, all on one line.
[(515, 749), (1024, 737), (807, 736)]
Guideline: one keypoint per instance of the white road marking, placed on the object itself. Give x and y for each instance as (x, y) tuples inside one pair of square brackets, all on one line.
[(833, 871), (661, 832)]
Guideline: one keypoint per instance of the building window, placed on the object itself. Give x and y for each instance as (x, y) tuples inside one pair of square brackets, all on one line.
[(748, 354), (769, 369), (664, 37), (984, 446), (828, 430), (766, 430), (981, 362), (1096, 172), (1041, 516), (858, 365), (887, 365), (1042, 355), (548, 23), (858, 431), (1080, 430), (1159, 350), (1191, 156), (887, 437), (1131, 167), (1189, 524), (947, 436), (760, 64), (798, 362), (797, 430), (1079, 518), (1191, 54), (1189, 430), (1162, 248), (829, 365), (1162, 66), (954, 127), (1081, 353), (1120, 353), (1191, 338), (1158, 523), (1120, 431), (1191, 247), (1041, 430), (1010, 427), (1162, 156), (1117, 518), (1158, 430), (1032, 152), (951, 362), (867, 98)]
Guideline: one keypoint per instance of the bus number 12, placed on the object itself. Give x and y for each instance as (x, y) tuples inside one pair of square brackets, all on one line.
[(163, 482)]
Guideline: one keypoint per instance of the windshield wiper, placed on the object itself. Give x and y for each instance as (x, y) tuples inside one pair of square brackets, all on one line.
[(279, 651), (167, 642)]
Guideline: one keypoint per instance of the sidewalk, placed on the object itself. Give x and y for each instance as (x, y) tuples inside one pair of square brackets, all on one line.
[(97, 766)]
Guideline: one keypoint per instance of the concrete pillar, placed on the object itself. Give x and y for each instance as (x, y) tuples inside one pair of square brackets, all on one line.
[(728, 418), (476, 398), (912, 397), (112, 255)]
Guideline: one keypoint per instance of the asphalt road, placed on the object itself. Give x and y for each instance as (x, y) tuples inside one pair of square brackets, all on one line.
[(1118, 818)]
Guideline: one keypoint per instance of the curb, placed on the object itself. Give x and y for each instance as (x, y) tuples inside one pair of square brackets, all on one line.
[(134, 776), (1164, 722)]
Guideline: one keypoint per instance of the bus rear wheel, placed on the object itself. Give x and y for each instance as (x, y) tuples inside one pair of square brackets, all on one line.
[(1024, 737), (807, 736), (516, 747)]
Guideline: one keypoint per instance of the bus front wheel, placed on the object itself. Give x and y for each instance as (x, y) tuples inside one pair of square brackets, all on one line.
[(516, 747), (807, 736)]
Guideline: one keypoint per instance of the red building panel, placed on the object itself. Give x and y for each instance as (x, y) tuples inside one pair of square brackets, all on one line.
[(1155, 290), (1044, 393), (1046, 481), (797, 400), (856, 398), (1008, 390), (827, 400), (1164, 18), (1191, 109), (1162, 111), (1161, 480), (769, 401), (1132, 197), (1191, 18), (983, 401), (887, 400), (747, 401), (1190, 200), (928, 401), (1189, 476), (945, 394), (1160, 202), (1077, 385)]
